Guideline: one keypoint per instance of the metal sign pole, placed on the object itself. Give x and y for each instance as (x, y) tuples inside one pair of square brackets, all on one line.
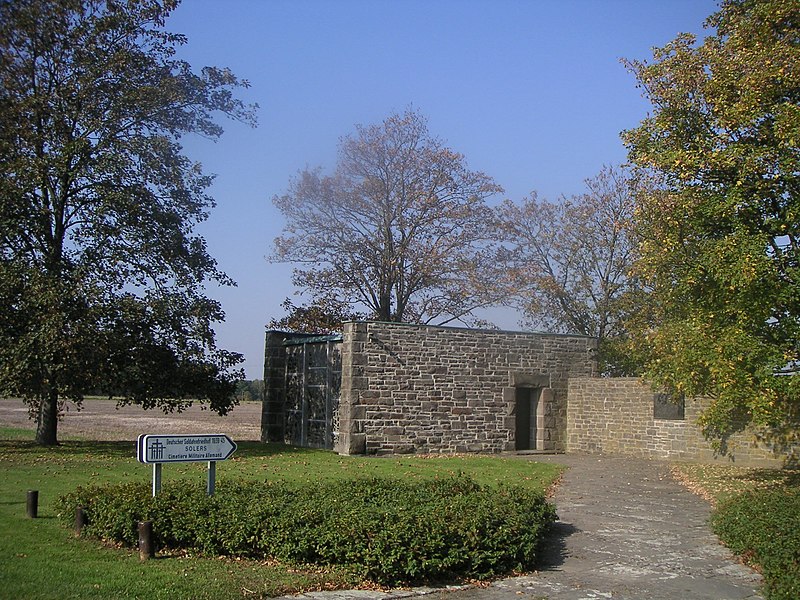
[(156, 478), (212, 477)]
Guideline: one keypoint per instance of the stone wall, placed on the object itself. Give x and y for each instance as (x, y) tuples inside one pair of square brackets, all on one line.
[(615, 416), (274, 401), (415, 388)]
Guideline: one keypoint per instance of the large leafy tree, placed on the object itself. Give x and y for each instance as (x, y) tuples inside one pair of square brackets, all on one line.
[(722, 238), (570, 261), (101, 273), (401, 227)]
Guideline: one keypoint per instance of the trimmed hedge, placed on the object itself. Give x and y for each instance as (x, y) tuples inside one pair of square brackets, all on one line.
[(387, 531), (763, 526)]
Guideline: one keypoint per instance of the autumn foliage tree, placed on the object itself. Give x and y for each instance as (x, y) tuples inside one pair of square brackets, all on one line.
[(323, 316), (571, 260), (722, 238), (101, 273), (401, 227)]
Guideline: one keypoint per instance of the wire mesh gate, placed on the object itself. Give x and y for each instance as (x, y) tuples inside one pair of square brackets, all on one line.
[(313, 384)]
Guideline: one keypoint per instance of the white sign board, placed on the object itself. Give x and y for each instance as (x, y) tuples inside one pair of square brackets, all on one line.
[(157, 449)]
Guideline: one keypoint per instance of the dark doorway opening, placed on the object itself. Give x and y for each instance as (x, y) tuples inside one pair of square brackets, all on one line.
[(527, 412)]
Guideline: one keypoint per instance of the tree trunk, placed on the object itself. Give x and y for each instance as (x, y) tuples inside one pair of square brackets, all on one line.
[(47, 424)]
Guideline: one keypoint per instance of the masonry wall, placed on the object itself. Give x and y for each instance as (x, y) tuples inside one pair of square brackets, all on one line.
[(414, 388), (274, 401), (615, 416)]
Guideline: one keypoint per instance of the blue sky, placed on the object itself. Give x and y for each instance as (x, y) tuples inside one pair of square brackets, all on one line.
[(531, 92)]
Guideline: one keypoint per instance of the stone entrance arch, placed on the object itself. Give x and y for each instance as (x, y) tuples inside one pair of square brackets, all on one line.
[(530, 400)]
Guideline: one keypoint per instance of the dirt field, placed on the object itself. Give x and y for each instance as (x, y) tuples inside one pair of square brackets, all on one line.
[(102, 420)]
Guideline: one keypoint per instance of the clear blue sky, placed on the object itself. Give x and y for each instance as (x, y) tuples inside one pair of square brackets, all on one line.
[(531, 92)]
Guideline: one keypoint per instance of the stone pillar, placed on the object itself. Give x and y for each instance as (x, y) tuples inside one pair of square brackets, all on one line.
[(273, 404), (546, 429), (509, 421), (351, 438)]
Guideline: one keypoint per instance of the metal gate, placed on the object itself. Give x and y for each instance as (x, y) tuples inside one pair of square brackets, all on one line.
[(313, 384)]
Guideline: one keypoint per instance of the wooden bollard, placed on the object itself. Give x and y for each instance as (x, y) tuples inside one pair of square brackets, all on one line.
[(80, 520), (33, 504), (146, 548)]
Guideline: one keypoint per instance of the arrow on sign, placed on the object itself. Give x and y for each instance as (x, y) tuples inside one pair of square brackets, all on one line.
[(156, 449)]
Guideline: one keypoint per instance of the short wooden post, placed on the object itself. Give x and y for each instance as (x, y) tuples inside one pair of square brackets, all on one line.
[(80, 520), (146, 548), (32, 507)]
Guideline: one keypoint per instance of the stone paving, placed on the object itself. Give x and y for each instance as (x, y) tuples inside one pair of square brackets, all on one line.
[(626, 531)]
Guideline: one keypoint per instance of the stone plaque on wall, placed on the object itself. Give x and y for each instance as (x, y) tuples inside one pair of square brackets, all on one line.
[(667, 408)]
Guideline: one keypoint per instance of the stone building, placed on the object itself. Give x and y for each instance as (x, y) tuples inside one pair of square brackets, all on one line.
[(397, 388), (392, 388)]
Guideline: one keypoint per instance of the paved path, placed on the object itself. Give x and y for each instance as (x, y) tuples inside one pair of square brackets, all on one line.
[(626, 531)]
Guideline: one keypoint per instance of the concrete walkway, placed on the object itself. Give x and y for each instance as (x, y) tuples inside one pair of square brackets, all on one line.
[(626, 531)]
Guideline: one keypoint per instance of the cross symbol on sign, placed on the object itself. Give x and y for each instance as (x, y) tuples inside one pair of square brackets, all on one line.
[(157, 450)]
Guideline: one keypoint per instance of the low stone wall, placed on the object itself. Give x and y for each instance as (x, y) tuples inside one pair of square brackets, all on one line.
[(415, 388), (615, 416)]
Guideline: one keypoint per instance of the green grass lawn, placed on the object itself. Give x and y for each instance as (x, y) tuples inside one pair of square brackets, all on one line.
[(41, 559), (717, 483)]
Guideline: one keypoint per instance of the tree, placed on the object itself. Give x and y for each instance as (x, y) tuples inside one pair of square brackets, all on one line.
[(320, 317), (571, 261), (401, 227), (721, 239), (249, 390), (101, 273)]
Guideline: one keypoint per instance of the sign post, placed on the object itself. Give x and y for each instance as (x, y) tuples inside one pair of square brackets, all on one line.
[(156, 478), (212, 477), (160, 449)]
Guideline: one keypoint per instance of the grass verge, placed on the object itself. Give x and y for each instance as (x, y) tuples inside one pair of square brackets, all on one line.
[(757, 515), (43, 560)]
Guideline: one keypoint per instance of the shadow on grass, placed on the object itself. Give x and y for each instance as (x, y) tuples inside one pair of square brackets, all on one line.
[(260, 449), (70, 448), (788, 476), (127, 449)]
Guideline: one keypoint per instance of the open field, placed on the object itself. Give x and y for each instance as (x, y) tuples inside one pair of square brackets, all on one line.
[(101, 420)]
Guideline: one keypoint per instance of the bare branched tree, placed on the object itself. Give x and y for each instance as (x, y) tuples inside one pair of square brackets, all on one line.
[(572, 259), (401, 227)]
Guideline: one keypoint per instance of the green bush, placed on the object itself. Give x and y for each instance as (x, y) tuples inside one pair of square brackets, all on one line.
[(764, 527), (387, 531)]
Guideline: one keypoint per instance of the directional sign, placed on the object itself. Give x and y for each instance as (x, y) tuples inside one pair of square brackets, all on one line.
[(157, 449)]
